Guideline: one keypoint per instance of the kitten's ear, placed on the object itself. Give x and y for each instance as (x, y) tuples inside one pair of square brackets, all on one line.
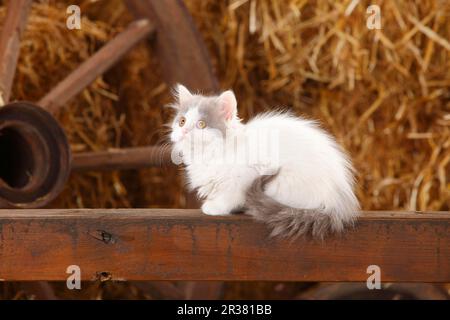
[(228, 103), (182, 93)]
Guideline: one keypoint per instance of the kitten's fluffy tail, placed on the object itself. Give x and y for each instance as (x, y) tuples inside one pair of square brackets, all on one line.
[(290, 222)]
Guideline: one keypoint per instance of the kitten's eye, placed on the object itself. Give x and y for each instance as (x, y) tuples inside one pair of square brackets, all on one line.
[(182, 121), (201, 124)]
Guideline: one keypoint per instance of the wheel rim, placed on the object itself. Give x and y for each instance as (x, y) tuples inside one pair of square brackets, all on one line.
[(36, 156)]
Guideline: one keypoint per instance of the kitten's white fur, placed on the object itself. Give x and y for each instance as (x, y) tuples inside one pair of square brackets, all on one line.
[(313, 172)]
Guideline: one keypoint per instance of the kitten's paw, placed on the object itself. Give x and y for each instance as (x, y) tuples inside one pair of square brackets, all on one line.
[(214, 208)]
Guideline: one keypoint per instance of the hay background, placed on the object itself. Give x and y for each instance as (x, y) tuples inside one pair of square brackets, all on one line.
[(383, 93)]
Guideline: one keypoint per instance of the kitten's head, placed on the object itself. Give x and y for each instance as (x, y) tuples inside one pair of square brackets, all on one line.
[(205, 116)]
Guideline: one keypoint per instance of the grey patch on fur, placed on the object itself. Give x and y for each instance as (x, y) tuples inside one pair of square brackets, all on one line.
[(287, 222), (211, 113), (209, 110)]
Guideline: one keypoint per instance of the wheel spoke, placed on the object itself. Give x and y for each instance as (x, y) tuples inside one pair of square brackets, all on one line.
[(96, 65), (121, 159), (179, 46), (13, 27)]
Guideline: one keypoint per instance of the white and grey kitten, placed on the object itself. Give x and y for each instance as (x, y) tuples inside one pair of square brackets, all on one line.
[(310, 190)]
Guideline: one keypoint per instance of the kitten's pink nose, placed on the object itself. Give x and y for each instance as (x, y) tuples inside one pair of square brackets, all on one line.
[(184, 130)]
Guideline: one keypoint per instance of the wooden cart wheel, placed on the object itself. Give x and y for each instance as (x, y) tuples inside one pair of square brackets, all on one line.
[(29, 177)]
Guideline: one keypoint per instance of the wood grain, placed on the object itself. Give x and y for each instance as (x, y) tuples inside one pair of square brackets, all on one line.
[(166, 244)]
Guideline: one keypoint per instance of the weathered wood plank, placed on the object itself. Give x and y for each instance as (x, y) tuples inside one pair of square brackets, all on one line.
[(166, 244)]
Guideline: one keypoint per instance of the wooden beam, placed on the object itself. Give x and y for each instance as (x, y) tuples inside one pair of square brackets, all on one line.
[(12, 29), (96, 65), (122, 159), (168, 244)]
